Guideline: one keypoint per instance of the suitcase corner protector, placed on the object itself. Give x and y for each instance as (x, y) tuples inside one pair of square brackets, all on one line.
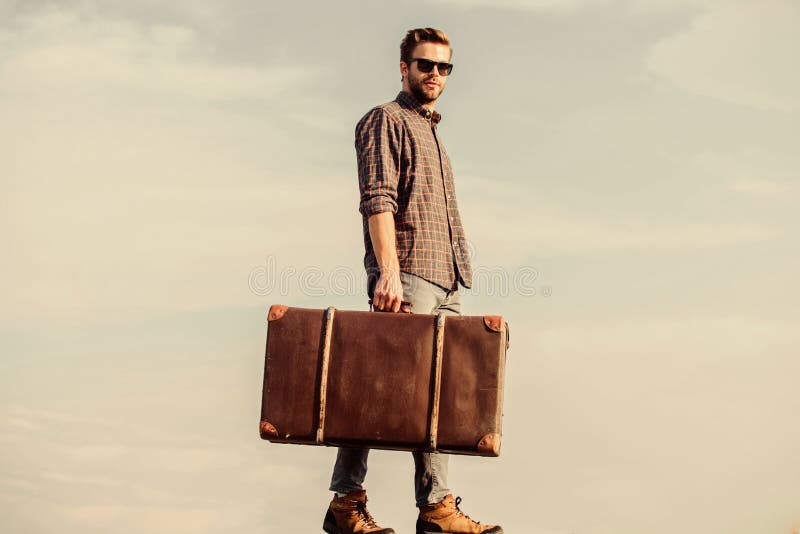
[(267, 430), (493, 322), (276, 311), (489, 444)]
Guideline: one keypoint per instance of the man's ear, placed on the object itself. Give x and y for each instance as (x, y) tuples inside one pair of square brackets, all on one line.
[(403, 70)]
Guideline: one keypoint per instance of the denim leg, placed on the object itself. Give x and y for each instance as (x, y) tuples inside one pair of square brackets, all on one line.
[(451, 305), (423, 296), (350, 470), (430, 468), (430, 477)]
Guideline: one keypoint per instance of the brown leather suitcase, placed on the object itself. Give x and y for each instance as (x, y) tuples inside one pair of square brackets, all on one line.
[(384, 380)]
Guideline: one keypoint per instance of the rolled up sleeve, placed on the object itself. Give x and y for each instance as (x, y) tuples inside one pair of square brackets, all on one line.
[(378, 152)]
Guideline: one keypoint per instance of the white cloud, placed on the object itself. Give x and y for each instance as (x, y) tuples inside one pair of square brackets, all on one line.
[(759, 187), (159, 519), (17, 422), (95, 451), (72, 479), (121, 174), (186, 459), (36, 418), (731, 338), (38, 421), (555, 230), (168, 482), (634, 232), (738, 52), (533, 5), (71, 51), (16, 484), (571, 5), (752, 172)]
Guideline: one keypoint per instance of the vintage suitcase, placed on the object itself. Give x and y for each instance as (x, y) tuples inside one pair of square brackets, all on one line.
[(384, 380)]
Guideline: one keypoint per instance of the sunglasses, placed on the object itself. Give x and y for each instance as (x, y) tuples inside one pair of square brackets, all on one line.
[(426, 66)]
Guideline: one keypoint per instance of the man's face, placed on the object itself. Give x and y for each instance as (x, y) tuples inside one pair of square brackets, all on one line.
[(426, 87)]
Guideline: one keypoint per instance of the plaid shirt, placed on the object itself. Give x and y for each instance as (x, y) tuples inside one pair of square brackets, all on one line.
[(403, 168)]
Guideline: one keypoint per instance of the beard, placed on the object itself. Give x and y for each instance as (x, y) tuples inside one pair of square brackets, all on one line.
[(421, 92)]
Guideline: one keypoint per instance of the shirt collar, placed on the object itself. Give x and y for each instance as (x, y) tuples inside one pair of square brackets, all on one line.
[(407, 100)]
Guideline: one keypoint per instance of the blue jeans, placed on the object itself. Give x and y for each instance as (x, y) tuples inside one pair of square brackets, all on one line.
[(430, 469)]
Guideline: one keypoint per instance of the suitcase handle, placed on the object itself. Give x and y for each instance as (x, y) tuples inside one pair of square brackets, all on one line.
[(405, 307)]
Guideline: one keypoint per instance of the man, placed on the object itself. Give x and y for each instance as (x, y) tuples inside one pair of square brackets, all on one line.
[(415, 250)]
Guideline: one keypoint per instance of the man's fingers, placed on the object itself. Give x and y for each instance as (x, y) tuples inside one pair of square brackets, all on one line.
[(388, 293), (382, 300), (377, 301), (389, 302)]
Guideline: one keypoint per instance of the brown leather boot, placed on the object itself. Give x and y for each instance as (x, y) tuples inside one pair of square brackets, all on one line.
[(447, 518), (349, 515)]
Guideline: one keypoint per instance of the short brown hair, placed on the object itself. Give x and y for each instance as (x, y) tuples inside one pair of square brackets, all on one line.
[(421, 35)]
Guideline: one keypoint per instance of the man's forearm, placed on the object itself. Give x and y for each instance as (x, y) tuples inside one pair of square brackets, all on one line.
[(381, 233)]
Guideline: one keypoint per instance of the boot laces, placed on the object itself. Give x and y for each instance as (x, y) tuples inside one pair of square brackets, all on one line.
[(366, 517), (461, 512)]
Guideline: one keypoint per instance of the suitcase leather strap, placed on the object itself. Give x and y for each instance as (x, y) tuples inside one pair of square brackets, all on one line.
[(437, 384), (323, 385)]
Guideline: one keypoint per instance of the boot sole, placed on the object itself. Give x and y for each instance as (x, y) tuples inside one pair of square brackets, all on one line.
[(333, 529)]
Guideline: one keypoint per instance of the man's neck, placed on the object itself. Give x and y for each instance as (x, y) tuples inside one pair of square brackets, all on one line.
[(427, 105)]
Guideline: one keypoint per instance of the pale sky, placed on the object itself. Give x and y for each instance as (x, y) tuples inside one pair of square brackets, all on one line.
[(629, 168)]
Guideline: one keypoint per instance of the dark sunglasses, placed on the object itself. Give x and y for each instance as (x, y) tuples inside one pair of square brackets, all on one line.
[(426, 66)]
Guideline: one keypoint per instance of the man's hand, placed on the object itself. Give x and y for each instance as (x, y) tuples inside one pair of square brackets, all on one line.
[(388, 294)]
